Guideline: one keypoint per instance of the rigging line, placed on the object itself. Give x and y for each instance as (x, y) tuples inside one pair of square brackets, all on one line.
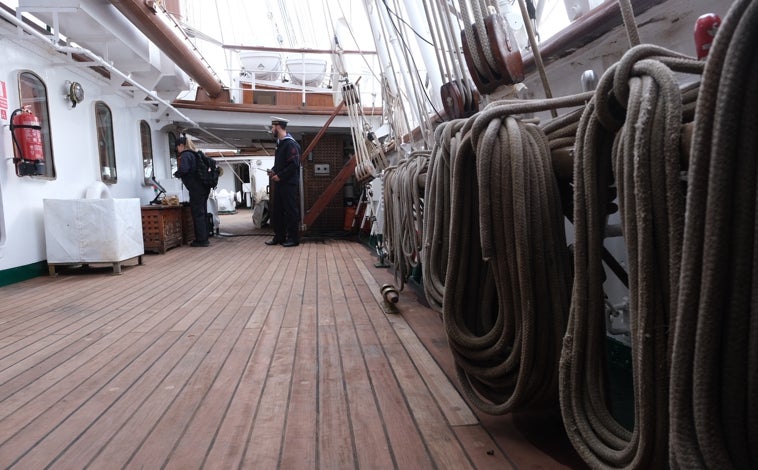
[(405, 55), (455, 44), (409, 56), (311, 39), (458, 77), (227, 54), (390, 94), (284, 14), (437, 37), (246, 14), (329, 19), (369, 66), (451, 43), (186, 37), (419, 90), (393, 13)]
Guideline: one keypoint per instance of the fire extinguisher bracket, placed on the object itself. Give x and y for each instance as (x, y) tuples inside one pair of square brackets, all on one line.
[(26, 132)]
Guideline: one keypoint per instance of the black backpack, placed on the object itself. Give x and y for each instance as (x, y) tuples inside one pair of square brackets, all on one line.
[(208, 170)]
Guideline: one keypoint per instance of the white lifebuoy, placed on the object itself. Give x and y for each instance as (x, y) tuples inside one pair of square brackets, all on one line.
[(97, 190)]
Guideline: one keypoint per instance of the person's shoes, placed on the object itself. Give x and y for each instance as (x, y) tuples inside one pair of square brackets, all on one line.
[(290, 243), (199, 243), (273, 242)]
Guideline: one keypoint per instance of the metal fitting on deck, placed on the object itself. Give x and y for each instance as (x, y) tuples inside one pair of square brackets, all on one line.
[(390, 294)]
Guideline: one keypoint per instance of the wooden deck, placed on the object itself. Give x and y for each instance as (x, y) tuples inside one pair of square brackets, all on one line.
[(242, 355)]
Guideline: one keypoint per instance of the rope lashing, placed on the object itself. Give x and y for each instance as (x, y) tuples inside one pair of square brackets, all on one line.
[(714, 362), (369, 153), (629, 133), (403, 215)]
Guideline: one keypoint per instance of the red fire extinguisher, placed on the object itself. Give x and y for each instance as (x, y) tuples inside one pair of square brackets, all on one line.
[(705, 31), (27, 135)]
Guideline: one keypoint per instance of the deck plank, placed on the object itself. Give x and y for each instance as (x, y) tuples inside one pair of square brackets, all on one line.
[(299, 443), (371, 446), (451, 402), (240, 355)]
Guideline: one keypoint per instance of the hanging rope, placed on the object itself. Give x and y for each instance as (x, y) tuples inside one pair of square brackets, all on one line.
[(403, 215), (507, 282), (630, 133), (447, 139), (714, 376)]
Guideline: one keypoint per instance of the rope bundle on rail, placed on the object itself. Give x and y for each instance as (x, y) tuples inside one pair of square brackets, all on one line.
[(714, 377), (508, 276), (630, 133), (403, 214), (437, 205)]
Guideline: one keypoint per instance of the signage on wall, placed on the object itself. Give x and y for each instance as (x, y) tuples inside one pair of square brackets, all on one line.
[(3, 102)]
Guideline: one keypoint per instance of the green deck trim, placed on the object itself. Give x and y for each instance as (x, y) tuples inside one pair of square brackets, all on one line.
[(22, 273)]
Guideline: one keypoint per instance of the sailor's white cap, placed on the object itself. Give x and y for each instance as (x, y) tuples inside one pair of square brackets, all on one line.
[(279, 120)]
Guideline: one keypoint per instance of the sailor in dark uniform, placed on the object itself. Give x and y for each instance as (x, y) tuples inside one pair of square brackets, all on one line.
[(285, 177)]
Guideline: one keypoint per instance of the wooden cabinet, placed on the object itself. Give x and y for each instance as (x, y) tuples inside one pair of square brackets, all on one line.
[(188, 225), (161, 227)]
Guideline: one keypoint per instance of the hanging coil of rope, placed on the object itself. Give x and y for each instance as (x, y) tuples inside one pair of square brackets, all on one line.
[(404, 212), (437, 204), (714, 376), (629, 133), (507, 283)]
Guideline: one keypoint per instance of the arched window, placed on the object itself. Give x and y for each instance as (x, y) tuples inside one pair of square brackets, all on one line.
[(172, 153), (105, 147), (146, 140), (33, 97)]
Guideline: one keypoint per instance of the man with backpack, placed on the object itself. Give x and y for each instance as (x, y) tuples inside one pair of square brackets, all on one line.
[(285, 176), (198, 190)]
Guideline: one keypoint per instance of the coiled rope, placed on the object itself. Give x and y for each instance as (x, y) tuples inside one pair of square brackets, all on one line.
[(633, 123), (437, 204), (403, 214), (508, 278), (714, 375)]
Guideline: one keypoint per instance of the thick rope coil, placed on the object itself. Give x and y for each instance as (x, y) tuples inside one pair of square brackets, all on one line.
[(632, 123), (437, 210), (714, 364), (508, 276), (403, 215)]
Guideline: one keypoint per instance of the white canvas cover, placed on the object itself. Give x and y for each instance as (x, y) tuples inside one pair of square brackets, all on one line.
[(92, 230)]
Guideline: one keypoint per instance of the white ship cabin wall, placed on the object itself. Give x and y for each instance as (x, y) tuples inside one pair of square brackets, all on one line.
[(75, 156)]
